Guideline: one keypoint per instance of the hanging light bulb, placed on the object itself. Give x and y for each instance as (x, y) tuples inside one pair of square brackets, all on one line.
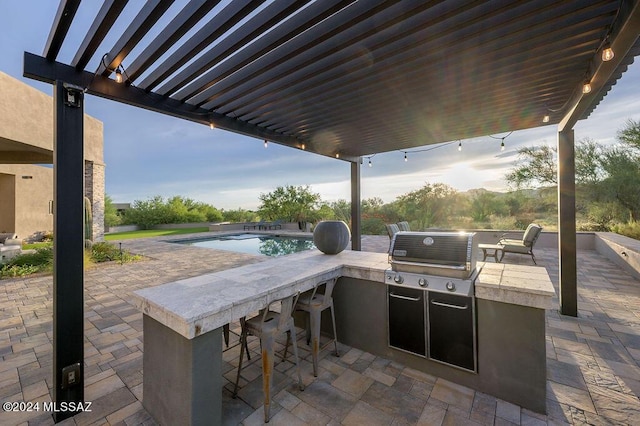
[(607, 53), (212, 126), (266, 144), (119, 78), (302, 146), (546, 118), (460, 146), (586, 88), (337, 155), (370, 163), (502, 145), (405, 157)]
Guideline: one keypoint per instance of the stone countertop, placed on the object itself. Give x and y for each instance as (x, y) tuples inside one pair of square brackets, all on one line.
[(194, 306)]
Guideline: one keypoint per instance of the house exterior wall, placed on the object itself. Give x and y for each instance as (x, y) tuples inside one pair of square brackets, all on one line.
[(26, 138), (33, 190)]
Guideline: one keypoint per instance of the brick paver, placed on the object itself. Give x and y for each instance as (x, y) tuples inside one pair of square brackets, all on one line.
[(593, 366)]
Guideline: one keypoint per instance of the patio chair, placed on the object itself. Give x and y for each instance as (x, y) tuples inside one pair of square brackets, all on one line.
[(314, 303), (392, 229), (404, 226), (276, 224), (266, 326), (523, 246)]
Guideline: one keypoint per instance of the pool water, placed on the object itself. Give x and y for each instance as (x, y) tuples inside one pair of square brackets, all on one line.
[(268, 245)]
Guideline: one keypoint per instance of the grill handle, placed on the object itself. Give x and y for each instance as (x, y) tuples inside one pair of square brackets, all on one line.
[(447, 305), (397, 296), (431, 265)]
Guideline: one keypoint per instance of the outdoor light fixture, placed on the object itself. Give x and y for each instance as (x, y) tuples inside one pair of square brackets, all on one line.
[(119, 78), (502, 145), (370, 163), (266, 144), (546, 118), (460, 146), (405, 157), (607, 53), (211, 125), (586, 87), (337, 155), (302, 146)]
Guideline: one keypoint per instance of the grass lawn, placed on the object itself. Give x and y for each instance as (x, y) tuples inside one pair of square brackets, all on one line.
[(153, 233)]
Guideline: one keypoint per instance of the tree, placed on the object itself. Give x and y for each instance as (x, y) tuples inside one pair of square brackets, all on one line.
[(536, 166), (291, 203), (111, 217), (429, 205)]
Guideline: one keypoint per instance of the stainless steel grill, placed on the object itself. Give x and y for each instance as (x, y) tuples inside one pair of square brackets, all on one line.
[(447, 254)]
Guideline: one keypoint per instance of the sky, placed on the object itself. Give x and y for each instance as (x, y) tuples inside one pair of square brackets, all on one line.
[(148, 154)]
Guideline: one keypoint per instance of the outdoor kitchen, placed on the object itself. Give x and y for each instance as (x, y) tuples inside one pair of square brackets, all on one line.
[(428, 305)]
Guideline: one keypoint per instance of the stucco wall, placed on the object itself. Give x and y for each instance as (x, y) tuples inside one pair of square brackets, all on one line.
[(26, 116), (33, 192)]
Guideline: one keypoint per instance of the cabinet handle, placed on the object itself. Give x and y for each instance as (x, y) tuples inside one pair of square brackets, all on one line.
[(446, 305), (397, 296)]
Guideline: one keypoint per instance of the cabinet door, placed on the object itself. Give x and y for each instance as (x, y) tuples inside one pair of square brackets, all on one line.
[(406, 316), (452, 330)]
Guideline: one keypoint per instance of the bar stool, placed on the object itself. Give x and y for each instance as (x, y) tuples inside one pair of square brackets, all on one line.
[(267, 325), (225, 334), (314, 303)]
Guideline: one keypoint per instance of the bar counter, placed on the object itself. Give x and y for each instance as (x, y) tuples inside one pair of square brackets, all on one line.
[(183, 322)]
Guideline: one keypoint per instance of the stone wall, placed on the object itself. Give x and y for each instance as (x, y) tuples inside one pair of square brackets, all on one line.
[(94, 191)]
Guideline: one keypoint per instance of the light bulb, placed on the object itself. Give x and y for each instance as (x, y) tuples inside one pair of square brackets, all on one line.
[(546, 118), (502, 146), (118, 76), (607, 53), (266, 144), (212, 126), (586, 88), (405, 157), (337, 155), (370, 164), (302, 146), (460, 146)]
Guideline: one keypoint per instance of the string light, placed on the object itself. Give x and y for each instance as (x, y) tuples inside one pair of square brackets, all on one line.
[(211, 125), (586, 87), (502, 145), (607, 53), (266, 144), (460, 146), (370, 163), (337, 155), (119, 78), (405, 157), (302, 146), (546, 118), (502, 139)]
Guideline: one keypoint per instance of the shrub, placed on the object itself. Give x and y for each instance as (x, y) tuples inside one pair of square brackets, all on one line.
[(630, 229), (106, 252)]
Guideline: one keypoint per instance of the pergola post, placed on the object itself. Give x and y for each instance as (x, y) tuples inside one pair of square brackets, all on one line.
[(567, 223), (356, 219), (68, 248)]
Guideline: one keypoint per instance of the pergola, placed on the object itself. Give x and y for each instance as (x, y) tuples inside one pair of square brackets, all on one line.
[(339, 78)]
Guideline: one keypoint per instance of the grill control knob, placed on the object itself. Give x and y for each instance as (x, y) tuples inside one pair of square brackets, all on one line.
[(398, 279), (423, 282), (451, 286)]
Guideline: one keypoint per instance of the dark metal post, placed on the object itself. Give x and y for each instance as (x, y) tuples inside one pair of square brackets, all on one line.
[(356, 220), (567, 224), (68, 249)]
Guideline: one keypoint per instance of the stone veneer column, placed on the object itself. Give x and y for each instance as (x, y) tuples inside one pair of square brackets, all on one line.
[(94, 190)]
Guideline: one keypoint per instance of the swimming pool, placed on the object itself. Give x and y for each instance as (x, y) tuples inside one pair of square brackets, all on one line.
[(268, 245)]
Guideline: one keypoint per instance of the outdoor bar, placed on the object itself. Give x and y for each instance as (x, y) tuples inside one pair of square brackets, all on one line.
[(183, 323)]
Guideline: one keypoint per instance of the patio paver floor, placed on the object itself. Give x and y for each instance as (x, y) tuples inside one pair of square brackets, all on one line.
[(593, 361)]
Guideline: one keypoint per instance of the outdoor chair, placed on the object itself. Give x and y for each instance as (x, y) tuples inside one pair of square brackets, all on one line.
[(314, 303), (276, 224), (392, 229), (404, 226), (523, 246), (266, 326)]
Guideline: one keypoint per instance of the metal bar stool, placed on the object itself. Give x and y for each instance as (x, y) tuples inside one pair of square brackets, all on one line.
[(314, 303), (267, 325)]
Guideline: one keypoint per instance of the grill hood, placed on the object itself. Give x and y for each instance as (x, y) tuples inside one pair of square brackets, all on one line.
[(451, 254)]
